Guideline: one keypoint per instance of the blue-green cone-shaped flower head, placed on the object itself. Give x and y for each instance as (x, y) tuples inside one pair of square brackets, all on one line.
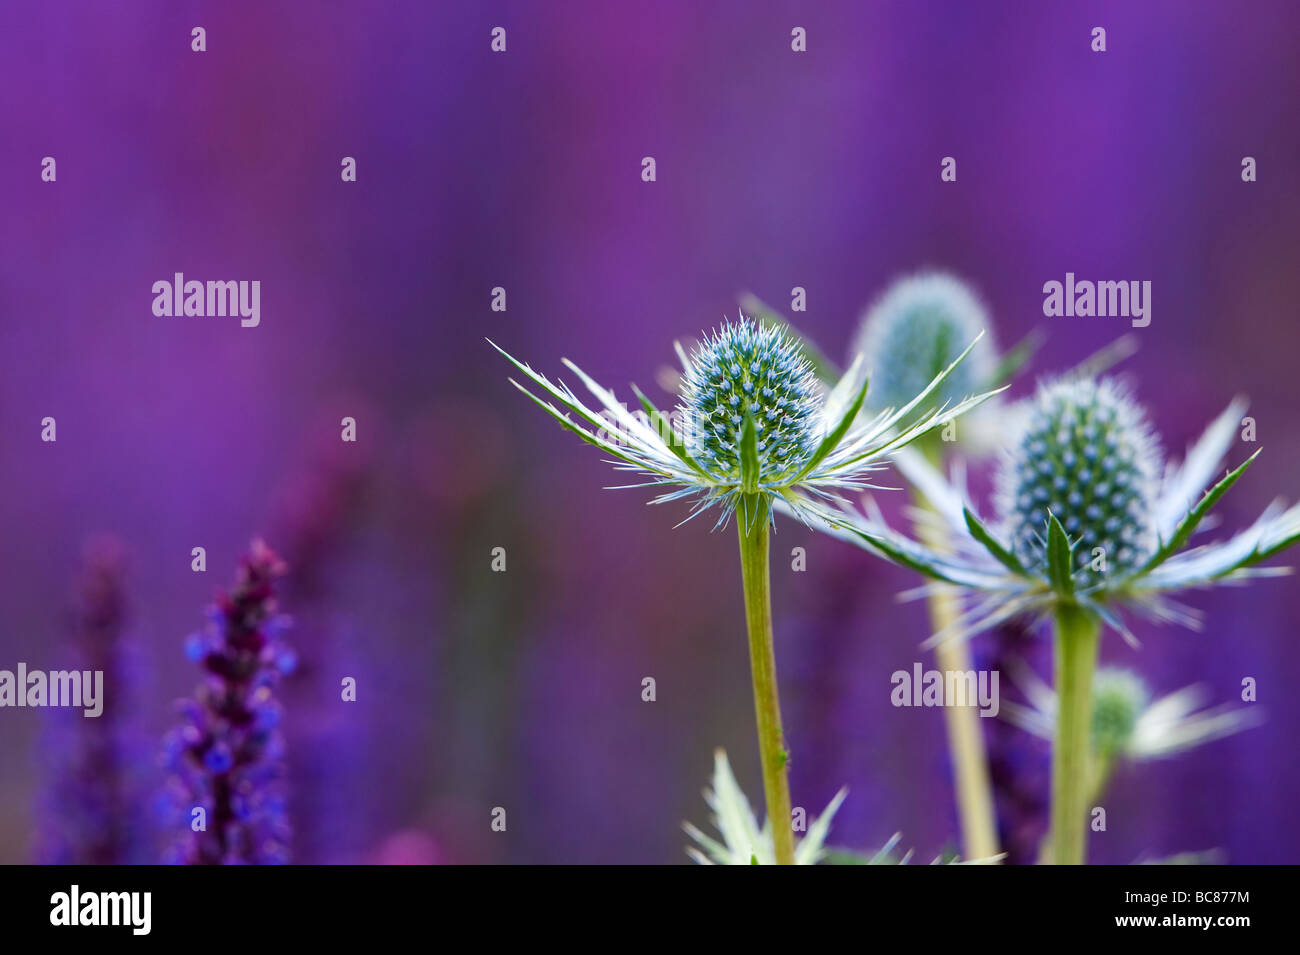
[(1118, 699), (915, 331), (1087, 457), (745, 367)]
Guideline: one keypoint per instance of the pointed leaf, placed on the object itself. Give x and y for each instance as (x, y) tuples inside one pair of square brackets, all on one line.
[(558, 392), (901, 551), (1275, 543), (842, 394), (583, 433), (926, 424), (1016, 359), (664, 428), (1187, 482), (832, 440), (1106, 357), (1000, 553), (1059, 567), (931, 388), (749, 466), (1194, 517)]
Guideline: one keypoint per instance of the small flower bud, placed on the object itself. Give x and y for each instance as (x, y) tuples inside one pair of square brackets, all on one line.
[(1118, 698)]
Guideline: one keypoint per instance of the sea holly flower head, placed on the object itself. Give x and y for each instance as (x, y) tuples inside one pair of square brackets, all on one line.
[(1086, 516), (743, 841), (915, 330), (1087, 458), (741, 372), (753, 424), (1127, 722)]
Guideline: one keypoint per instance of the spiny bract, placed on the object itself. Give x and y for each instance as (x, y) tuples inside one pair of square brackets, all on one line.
[(1087, 457), (915, 331), (744, 367), (754, 426), (1118, 699)]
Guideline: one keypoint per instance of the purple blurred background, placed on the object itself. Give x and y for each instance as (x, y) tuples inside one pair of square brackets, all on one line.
[(522, 170)]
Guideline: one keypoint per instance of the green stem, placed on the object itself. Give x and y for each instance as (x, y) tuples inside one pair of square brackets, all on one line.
[(1076, 657), (970, 765), (1099, 776), (752, 520)]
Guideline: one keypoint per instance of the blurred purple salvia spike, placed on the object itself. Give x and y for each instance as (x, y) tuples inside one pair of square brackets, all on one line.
[(226, 757), (88, 813)]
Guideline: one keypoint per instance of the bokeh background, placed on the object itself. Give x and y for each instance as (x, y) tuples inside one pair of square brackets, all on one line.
[(522, 170)]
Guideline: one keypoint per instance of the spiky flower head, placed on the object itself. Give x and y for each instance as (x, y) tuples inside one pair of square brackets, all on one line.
[(1084, 518), (1087, 458), (915, 330), (755, 426), (741, 370)]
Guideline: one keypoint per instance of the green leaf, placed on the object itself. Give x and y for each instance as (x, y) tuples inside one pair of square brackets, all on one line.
[(943, 376), (1003, 556), (569, 401), (663, 427), (1106, 357), (1016, 358), (1059, 557), (558, 393), (584, 434), (1279, 545), (915, 558), (923, 426), (749, 466), (832, 440), (1183, 532)]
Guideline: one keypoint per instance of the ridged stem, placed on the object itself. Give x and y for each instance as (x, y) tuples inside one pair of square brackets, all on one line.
[(752, 520), (966, 748), (1077, 634)]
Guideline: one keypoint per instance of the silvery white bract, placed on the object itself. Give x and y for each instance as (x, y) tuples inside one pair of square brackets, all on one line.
[(1127, 723), (1084, 517), (753, 423), (744, 842)]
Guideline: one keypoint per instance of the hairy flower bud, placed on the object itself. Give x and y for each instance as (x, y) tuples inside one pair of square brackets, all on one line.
[(1118, 699), (916, 330)]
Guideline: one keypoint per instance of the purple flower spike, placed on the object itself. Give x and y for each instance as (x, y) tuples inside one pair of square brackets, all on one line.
[(226, 758), (89, 806)]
